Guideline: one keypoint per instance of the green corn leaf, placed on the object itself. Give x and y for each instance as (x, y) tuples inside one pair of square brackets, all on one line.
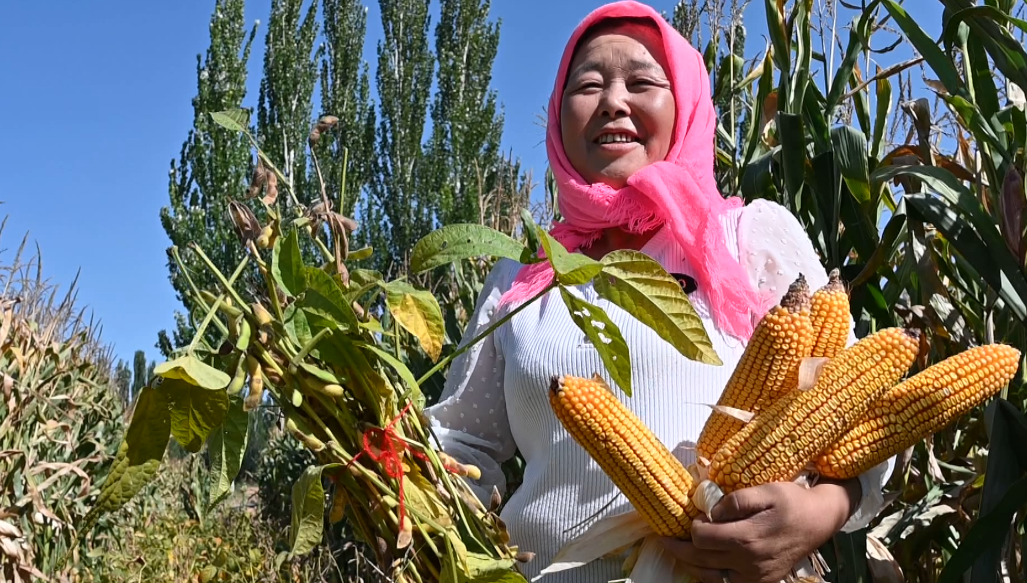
[(967, 242), (766, 86), (1004, 493), (793, 155), (1007, 277), (884, 108), (935, 57), (1006, 52), (803, 55), (605, 337), (858, 35), (850, 148)]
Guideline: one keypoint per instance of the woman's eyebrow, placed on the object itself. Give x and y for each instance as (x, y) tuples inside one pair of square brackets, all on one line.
[(634, 65)]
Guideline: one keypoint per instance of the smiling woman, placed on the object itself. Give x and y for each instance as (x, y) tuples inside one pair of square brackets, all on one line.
[(618, 108), (630, 139)]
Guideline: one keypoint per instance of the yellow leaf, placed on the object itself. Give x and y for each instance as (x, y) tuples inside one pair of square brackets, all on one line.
[(418, 312)]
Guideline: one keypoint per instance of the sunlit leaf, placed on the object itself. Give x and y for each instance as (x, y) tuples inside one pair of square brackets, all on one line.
[(235, 120), (193, 371), (418, 312), (570, 268), (464, 241), (640, 286)]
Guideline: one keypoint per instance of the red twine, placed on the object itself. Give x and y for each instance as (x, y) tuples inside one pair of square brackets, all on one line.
[(388, 452)]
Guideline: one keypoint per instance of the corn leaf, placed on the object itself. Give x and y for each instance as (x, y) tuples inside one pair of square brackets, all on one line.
[(889, 239), (935, 57), (605, 337), (235, 120), (193, 371), (858, 35), (1007, 54), (793, 155), (758, 178), (640, 286), (1007, 278), (884, 108), (287, 264), (418, 312), (976, 253), (803, 56), (226, 447), (195, 412), (570, 268), (1005, 491), (850, 150), (138, 458), (464, 241)]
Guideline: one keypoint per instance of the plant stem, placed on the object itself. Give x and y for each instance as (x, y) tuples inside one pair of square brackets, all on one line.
[(342, 187), (296, 360), (221, 277), (196, 290), (203, 325), (442, 363)]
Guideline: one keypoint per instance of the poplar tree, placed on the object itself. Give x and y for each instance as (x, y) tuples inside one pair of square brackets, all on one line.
[(396, 212), (346, 94), (286, 90), (213, 167), (466, 125)]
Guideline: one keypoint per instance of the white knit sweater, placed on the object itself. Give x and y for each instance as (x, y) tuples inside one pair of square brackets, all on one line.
[(495, 399)]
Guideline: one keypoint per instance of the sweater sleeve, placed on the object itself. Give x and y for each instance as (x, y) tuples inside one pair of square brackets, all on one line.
[(775, 248), (470, 417)]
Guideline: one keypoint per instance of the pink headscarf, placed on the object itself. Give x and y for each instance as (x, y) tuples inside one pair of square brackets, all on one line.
[(679, 191)]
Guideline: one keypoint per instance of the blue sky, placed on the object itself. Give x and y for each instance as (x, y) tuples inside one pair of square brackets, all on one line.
[(96, 103)]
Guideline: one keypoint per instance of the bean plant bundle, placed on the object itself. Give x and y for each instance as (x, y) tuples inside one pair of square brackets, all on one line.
[(306, 341)]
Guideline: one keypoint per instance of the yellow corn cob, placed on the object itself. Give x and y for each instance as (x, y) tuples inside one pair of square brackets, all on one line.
[(831, 319), (779, 443), (651, 478), (781, 340), (919, 407)]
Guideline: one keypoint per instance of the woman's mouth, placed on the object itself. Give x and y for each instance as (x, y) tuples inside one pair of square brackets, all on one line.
[(617, 143)]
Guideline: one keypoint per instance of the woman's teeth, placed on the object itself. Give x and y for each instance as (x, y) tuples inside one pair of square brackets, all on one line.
[(615, 138)]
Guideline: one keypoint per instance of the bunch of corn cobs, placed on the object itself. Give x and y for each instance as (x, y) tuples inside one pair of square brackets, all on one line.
[(802, 402)]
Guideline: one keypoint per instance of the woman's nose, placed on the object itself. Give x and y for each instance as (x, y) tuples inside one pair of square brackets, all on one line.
[(614, 102)]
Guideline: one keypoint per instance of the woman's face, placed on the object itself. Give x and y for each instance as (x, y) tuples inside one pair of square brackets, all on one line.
[(617, 114)]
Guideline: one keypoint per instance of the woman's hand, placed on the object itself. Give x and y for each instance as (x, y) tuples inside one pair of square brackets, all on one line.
[(758, 534)]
